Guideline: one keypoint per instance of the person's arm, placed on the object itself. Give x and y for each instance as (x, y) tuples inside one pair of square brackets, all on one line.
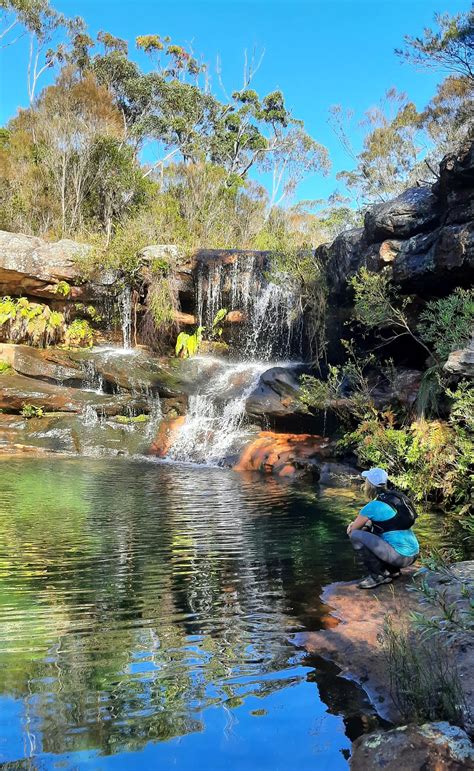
[(359, 522)]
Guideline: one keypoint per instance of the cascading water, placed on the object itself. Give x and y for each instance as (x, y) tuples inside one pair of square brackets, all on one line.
[(125, 308), (272, 312), (214, 427)]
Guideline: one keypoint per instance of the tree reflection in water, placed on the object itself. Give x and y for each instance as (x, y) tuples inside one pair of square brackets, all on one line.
[(133, 596)]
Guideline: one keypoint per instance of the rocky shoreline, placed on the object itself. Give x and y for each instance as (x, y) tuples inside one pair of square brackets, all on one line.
[(352, 640)]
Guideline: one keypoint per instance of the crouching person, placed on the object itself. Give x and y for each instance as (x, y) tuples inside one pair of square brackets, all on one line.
[(381, 534)]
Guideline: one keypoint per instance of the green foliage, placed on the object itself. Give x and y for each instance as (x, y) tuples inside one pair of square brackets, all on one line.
[(126, 420), (447, 323), (63, 288), (90, 311), (22, 321), (188, 345), (432, 460), (450, 47), (373, 298), (79, 334), (378, 306), (321, 394), (424, 682), (5, 368), (31, 411)]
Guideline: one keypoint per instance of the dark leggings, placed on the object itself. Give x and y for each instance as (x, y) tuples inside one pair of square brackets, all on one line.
[(376, 554)]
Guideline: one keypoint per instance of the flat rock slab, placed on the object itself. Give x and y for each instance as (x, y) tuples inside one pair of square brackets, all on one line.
[(18, 390), (431, 747), (354, 622)]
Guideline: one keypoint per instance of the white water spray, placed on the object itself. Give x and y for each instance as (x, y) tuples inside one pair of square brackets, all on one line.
[(125, 307), (214, 427)]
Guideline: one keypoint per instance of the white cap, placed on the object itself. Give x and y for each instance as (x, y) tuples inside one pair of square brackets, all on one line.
[(376, 476)]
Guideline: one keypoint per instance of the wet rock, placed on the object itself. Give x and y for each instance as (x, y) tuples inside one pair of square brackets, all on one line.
[(235, 317), (284, 455), (135, 370), (432, 746), (276, 395), (414, 211), (48, 364), (461, 362), (166, 436), (18, 390)]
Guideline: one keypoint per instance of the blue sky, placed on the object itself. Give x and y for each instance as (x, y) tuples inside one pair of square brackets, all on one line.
[(318, 52)]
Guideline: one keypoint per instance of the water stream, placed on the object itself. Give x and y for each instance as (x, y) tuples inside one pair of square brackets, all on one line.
[(273, 322), (125, 308), (214, 426)]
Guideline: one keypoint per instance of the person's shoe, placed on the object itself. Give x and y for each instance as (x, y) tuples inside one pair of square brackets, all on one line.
[(394, 574), (372, 581)]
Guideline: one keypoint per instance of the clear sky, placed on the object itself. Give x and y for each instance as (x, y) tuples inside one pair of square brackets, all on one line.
[(318, 52)]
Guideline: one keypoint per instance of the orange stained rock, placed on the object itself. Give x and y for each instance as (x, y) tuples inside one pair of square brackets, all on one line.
[(272, 452), (166, 436)]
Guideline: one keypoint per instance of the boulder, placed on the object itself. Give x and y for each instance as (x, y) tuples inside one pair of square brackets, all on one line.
[(402, 388), (461, 362), (32, 266), (414, 211), (276, 395), (284, 455), (431, 746), (343, 258)]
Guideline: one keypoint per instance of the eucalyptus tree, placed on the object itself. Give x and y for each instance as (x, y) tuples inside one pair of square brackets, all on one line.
[(449, 48)]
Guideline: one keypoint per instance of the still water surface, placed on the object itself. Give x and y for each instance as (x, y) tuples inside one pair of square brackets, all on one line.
[(147, 613)]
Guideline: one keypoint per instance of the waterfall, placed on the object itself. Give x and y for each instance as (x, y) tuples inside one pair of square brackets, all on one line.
[(214, 426), (92, 379), (125, 308), (273, 326)]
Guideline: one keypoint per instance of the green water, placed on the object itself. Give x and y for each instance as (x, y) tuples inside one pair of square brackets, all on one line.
[(147, 613)]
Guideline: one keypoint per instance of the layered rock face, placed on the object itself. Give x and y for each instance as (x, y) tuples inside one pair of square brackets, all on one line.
[(425, 236)]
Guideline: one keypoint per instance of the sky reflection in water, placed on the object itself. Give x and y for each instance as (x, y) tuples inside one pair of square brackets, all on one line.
[(146, 614)]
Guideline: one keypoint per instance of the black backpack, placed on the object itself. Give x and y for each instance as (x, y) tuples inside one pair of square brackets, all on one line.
[(405, 515)]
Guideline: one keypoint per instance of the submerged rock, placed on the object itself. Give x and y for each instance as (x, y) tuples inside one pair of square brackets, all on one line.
[(284, 455), (430, 746), (83, 434)]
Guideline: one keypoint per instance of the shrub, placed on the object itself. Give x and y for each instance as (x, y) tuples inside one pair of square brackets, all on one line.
[(424, 682), (79, 334), (447, 323), (31, 411), (22, 321)]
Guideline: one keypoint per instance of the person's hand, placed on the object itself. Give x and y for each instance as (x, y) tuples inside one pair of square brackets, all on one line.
[(349, 529)]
